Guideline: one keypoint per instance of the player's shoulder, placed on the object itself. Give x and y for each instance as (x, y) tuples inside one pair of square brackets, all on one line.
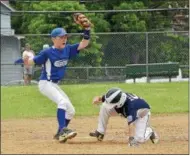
[(46, 50)]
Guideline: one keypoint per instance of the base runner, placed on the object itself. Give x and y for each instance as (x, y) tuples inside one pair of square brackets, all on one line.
[(130, 106)]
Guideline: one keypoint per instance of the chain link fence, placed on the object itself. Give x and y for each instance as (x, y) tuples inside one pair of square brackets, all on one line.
[(109, 55)]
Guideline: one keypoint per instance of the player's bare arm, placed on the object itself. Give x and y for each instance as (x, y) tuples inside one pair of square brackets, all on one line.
[(132, 140), (131, 130), (83, 44)]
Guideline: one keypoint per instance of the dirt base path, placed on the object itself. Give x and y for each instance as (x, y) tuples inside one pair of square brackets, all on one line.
[(34, 136)]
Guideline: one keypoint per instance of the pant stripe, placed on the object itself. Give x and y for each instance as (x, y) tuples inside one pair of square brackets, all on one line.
[(146, 126)]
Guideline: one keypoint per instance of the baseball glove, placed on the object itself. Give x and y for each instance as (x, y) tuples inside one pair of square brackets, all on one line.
[(82, 20)]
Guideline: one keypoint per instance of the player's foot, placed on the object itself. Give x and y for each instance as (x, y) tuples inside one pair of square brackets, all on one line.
[(65, 134), (154, 137), (56, 136), (97, 134)]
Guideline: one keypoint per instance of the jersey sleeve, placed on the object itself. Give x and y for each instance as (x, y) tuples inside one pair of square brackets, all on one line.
[(73, 50), (40, 58)]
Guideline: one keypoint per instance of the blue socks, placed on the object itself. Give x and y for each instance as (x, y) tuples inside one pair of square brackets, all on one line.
[(61, 118)]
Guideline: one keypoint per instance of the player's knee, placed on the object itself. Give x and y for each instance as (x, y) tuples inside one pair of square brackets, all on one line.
[(71, 113), (62, 104), (140, 139)]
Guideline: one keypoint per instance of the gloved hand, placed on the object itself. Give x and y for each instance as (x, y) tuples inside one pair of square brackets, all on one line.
[(82, 20), (133, 142)]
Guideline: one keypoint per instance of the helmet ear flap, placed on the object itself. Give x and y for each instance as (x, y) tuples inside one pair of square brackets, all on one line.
[(113, 95), (122, 100), (115, 98)]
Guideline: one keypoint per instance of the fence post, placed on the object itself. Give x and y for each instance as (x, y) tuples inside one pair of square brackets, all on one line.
[(147, 74), (87, 74)]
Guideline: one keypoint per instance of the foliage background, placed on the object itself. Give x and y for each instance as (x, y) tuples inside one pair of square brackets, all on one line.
[(103, 49)]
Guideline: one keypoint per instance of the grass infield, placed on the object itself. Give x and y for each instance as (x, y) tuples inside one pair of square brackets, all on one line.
[(28, 102)]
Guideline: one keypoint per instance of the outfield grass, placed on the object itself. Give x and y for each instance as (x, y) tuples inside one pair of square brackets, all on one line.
[(21, 102)]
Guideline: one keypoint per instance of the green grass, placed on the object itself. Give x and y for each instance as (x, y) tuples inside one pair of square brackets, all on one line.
[(22, 102)]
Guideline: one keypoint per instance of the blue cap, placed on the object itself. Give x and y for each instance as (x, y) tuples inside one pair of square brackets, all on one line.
[(58, 32)]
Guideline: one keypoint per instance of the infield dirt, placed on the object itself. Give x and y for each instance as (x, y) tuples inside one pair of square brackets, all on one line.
[(35, 136)]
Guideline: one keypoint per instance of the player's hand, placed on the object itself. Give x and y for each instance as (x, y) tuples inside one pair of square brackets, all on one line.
[(82, 20), (133, 142), (97, 100), (25, 59)]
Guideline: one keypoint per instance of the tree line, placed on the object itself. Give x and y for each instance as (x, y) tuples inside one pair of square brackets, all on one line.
[(108, 49)]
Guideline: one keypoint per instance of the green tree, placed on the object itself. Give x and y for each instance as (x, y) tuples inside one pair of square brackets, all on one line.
[(132, 21), (125, 48), (169, 48), (44, 23)]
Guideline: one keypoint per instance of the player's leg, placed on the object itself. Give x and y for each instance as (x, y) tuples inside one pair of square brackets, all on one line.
[(103, 119), (49, 90), (30, 73), (29, 79), (154, 136), (104, 116), (70, 110), (25, 76), (143, 131), (25, 79)]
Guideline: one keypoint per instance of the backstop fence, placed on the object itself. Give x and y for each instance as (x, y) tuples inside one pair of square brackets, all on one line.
[(109, 54)]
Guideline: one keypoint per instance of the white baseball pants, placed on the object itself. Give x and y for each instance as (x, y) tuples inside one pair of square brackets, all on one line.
[(57, 95), (142, 129)]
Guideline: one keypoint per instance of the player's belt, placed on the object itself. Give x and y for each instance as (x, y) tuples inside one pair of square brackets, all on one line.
[(54, 81)]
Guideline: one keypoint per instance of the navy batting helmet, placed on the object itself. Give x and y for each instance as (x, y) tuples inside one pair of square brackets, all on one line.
[(115, 98)]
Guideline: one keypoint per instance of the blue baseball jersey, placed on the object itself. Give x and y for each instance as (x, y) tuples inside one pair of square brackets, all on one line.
[(55, 61), (132, 104)]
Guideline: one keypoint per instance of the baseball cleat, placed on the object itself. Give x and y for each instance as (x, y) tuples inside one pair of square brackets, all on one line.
[(154, 138), (66, 134), (56, 136), (97, 134)]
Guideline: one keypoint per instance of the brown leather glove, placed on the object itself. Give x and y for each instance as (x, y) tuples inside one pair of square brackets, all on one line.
[(82, 20)]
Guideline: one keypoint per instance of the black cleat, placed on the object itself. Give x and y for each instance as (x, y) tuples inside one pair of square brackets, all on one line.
[(154, 138), (65, 134), (56, 136), (97, 134)]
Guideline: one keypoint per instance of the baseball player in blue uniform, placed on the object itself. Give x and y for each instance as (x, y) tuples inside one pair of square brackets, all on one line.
[(130, 106), (54, 61)]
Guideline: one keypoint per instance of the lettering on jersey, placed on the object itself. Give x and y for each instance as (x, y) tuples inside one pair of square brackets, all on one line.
[(60, 63), (132, 96)]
